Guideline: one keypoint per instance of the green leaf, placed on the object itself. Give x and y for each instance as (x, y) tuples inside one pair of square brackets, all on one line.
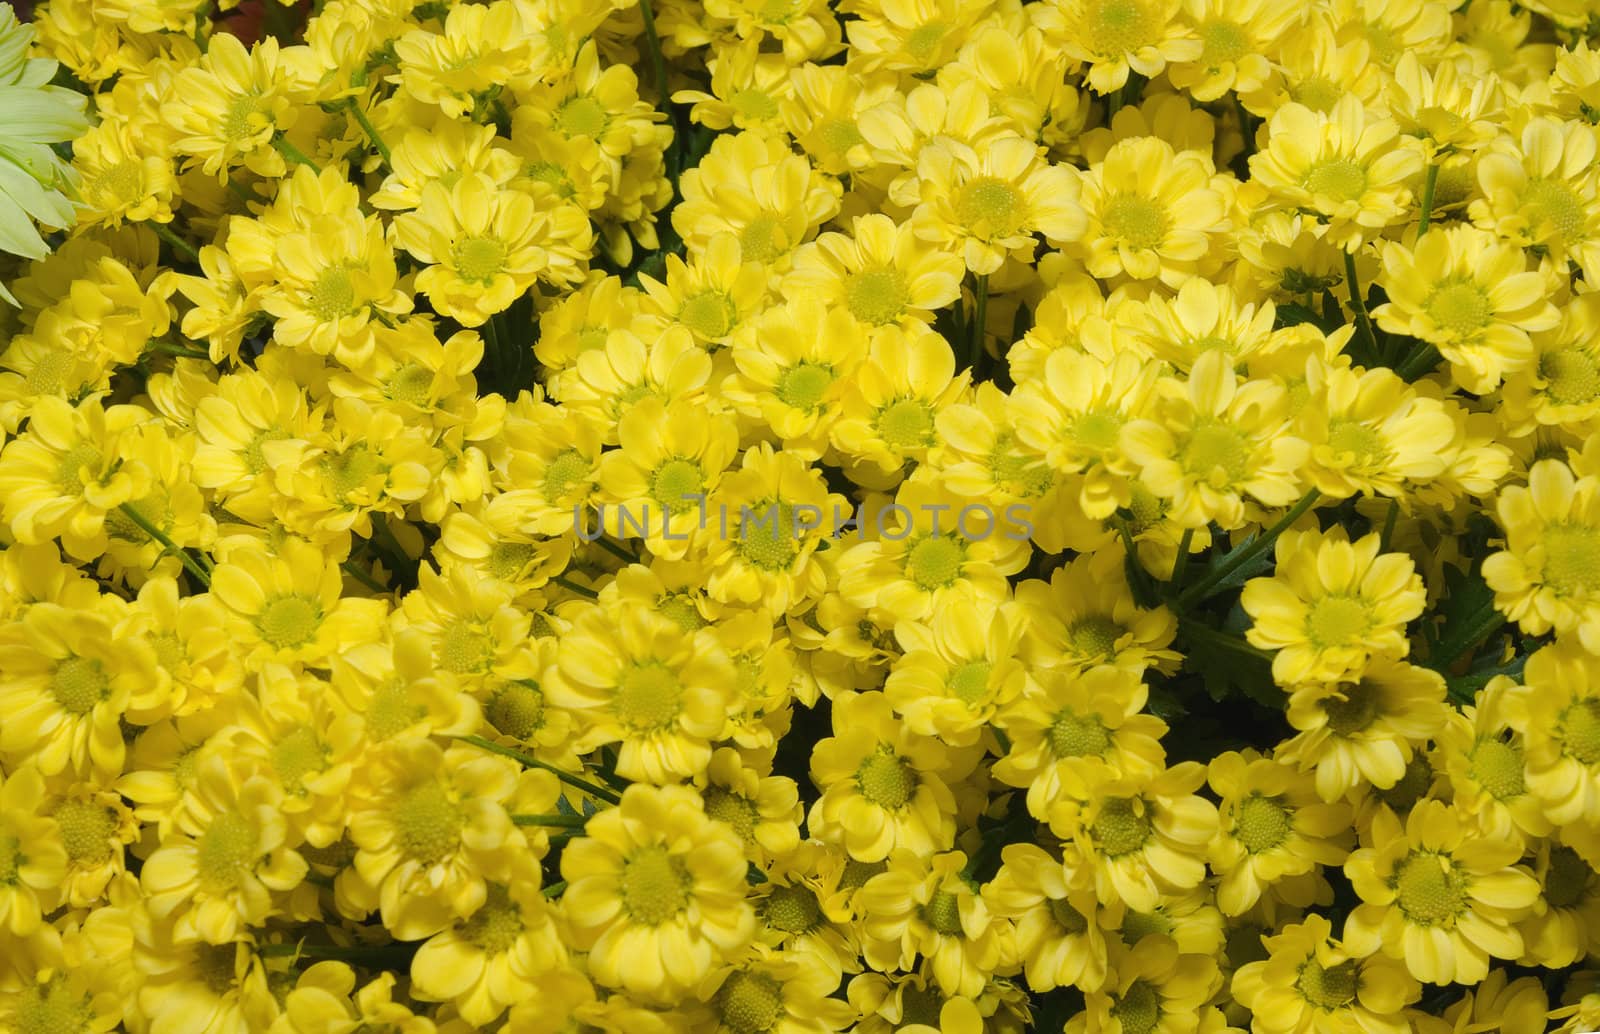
[(1466, 617), (1229, 666)]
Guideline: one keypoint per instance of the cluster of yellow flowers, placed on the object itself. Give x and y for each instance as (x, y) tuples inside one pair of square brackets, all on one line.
[(784, 517)]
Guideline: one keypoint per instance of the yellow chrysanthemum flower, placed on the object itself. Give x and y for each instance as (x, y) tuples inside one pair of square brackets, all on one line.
[(1557, 712), (289, 606), (1548, 576), (656, 892), (1540, 190), (927, 907), (1155, 987), (1059, 939), (1312, 984), (1438, 895), (1331, 604), (229, 108), (1118, 37)]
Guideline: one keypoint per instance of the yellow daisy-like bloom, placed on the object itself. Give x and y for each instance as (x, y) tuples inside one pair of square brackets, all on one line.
[(1367, 729), (656, 892), (1331, 604), (485, 246), (68, 683), (230, 105), (958, 670), (1155, 988), (1137, 838), (753, 186), (608, 381), (1567, 929), (1153, 212), (1236, 39), (711, 297), (1558, 714), (672, 458), (1217, 443), (986, 204), (1117, 37), (122, 180), (62, 475), (1542, 191), (794, 366), (1485, 759), (927, 907), (1348, 167), (1438, 895), (889, 1004), (326, 997), (764, 811), (748, 89), (1206, 317), (1548, 576), (1274, 830), (430, 828), (482, 46), (639, 680), (288, 607), (32, 856), (218, 876), (880, 271), (1311, 984), (1059, 939), (1472, 297), (1069, 729), (1086, 615), (915, 37), (1561, 386), (883, 786), (780, 994), (889, 413), (1370, 433), (489, 961)]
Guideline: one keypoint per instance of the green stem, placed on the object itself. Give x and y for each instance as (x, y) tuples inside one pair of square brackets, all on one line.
[(555, 888), (381, 956), (181, 246), (168, 348), (1180, 564), (980, 319), (658, 64), (577, 782), (354, 570), (571, 586), (290, 152), (169, 546), (616, 550), (1222, 640), (1242, 556), (561, 821), (1422, 359), (372, 131), (1483, 624), (1428, 184), (1358, 304), (1388, 525)]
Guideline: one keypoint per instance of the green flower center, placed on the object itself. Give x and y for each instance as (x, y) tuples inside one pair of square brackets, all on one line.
[(86, 831), (969, 683), (709, 314), (1497, 766), (1263, 823), (427, 822), (1572, 558), (298, 755), (1095, 636), (582, 116), (1117, 27), (1122, 826), (1078, 736), (649, 697), (754, 105), (1355, 712), (935, 561), (677, 483), (1411, 788), (1340, 179), (390, 710), (1331, 988), (1137, 221), (516, 710), (943, 913), (886, 779), (1138, 1009), (839, 135), (228, 848), (508, 560), (350, 471), (496, 925), (1580, 731), (289, 620), (1318, 93), (83, 456), (906, 424), (769, 535), (1571, 377), (410, 383), (750, 1003), (1224, 41), (922, 41), (78, 684), (793, 910), (1566, 881), (1461, 308), (802, 385), (244, 118), (655, 886), (51, 1008), (124, 181), (680, 609), (735, 809), (466, 648), (1335, 621), (478, 259), (1429, 888), (566, 471), (1553, 204), (989, 208), (876, 296), (1067, 917), (1363, 445), (764, 239), (1217, 454), (332, 295)]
